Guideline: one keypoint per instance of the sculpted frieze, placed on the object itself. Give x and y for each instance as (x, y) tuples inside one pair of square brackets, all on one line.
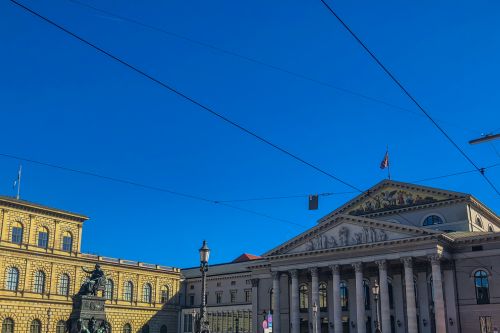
[(346, 236)]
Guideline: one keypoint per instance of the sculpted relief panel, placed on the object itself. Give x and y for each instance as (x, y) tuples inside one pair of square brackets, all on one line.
[(391, 199), (347, 235)]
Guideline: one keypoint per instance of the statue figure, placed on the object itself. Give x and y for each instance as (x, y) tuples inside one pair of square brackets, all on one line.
[(344, 236), (95, 282), (103, 328), (80, 328), (92, 325)]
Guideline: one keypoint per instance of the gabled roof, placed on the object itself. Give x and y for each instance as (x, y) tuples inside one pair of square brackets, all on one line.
[(378, 232), (389, 195), (246, 257)]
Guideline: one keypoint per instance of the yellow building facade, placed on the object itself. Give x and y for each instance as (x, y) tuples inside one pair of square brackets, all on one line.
[(41, 269)]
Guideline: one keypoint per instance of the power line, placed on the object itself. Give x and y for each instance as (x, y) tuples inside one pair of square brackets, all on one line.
[(252, 60), (193, 101), (410, 96), (188, 98), (149, 187)]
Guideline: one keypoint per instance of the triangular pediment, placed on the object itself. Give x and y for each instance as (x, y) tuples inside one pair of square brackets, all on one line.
[(345, 231), (390, 195)]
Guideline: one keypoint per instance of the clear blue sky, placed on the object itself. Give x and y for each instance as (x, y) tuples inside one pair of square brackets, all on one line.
[(66, 104)]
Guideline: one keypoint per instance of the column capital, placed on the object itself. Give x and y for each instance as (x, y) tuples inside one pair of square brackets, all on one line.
[(335, 268), (255, 282), (435, 258), (358, 266), (294, 273), (382, 264), (276, 275), (313, 271), (407, 261)]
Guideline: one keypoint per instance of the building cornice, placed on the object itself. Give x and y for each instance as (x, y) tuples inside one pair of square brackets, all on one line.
[(12, 203)]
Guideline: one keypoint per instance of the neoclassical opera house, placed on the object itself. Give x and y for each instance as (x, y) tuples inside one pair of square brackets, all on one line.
[(435, 255)]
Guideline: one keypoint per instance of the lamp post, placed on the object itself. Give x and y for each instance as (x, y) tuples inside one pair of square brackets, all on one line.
[(203, 326), (375, 291), (315, 315)]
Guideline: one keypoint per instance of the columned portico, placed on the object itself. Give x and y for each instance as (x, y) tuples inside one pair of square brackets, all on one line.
[(385, 311), (437, 284), (276, 300), (411, 308), (337, 309), (360, 299), (294, 302), (315, 299)]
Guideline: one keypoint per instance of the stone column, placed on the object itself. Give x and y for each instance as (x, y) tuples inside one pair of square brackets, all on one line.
[(411, 305), (315, 300), (255, 307), (437, 284), (294, 304), (276, 300), (360, 298), (337, 308), (385, 311)]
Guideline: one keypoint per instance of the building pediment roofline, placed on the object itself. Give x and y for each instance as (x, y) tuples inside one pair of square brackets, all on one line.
[(428, 199), (31, 207), (483, 208), (336, 221)]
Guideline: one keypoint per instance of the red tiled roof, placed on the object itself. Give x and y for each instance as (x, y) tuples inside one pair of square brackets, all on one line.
[(246, 257)]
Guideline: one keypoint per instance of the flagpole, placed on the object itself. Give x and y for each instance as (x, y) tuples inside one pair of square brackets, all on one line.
[(388, 163), (19, 182)]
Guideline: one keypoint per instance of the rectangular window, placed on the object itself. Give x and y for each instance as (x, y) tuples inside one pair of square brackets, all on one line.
[(233, 283), (67, 243), (248, 295), (17, 235), (43, 239), (188, 323), (218, 297), (233, 296), (485, 324), (191, 299)]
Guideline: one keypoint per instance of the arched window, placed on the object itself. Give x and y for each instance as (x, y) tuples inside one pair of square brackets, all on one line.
[(43, 237), (146, 293), (145, 328), (482, 287), (108, 289), (323, 303), (432, 219), (8, 325), (17, 233), (303, 297), (165, 295), (12, 280), (479, 222), (163, 329), (490, 228), (61, 326), (64, 284), (67, 242), (127, 328), (128, 291), (344, 296), (39, 282), (366, 292), (36, 326)]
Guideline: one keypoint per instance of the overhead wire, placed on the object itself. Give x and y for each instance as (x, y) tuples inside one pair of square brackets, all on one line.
[(409, 95), (253, 60), (195, 102), (146, 186)]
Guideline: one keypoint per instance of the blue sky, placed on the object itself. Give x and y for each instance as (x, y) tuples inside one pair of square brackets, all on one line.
[(66, 104)]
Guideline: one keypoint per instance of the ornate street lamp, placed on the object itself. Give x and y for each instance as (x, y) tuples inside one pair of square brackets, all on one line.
[(203, 326), (376, 291)]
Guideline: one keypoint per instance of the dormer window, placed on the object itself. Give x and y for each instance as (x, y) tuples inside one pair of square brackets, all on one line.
[(432, 220)]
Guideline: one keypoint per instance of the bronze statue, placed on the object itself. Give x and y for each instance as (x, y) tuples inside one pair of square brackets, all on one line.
[(96, 281)]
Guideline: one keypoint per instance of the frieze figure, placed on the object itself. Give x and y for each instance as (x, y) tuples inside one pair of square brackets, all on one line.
[(344, 236), (96, 281)]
